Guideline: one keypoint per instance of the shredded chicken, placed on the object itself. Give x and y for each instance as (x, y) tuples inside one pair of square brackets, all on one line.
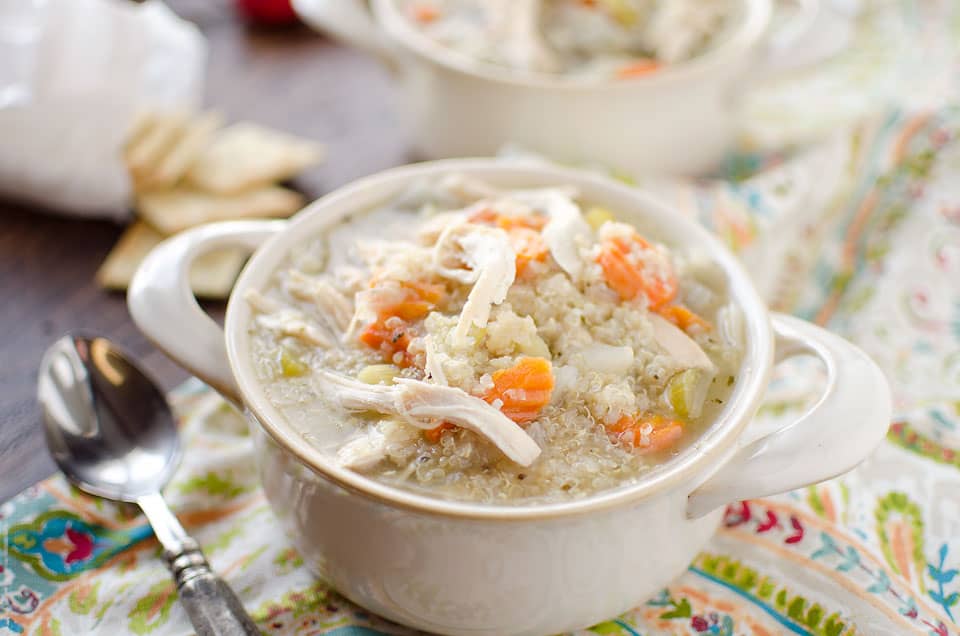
[(565, 231), (432, 366), (378, 253), (287, 321), (431, 230), (424, 404), (371, 446), (679, 345), (490, 264), (517, 23), (679, 27), (328, 298), (364, 452)]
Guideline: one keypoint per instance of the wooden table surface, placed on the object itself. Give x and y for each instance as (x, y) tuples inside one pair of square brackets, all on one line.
[(290, 79)]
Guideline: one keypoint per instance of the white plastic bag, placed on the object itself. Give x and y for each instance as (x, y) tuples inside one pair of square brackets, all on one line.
[(73, 76)]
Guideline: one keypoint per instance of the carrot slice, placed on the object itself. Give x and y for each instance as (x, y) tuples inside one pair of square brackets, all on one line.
[(529, 221), (489, 216), (388, 340), (425, 13), (529, 246), (621, 276), (433, 435), (626, 274), (638, 69), (662, 434), (484, 215), (683, 317), (417, 299), (522, 391)]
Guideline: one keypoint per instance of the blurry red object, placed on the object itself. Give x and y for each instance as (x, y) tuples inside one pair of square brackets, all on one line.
[(267, 11)]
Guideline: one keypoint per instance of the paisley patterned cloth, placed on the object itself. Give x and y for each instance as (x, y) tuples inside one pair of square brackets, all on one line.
[(859, 232)]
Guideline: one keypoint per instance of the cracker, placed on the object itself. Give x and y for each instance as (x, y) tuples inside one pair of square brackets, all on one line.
[(155, 138), (246, 155), (171, 211), (180, 156), (142, 124), (211, 276)]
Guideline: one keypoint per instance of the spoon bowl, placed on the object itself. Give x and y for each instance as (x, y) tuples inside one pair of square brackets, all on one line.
[(111, 432), (107, 424)]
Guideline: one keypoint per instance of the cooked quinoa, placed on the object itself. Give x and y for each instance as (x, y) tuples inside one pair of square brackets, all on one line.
[(495, 346)]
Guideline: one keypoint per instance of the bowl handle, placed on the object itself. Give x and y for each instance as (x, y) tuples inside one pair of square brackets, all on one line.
[(817, 33), (848, 421), (349, 21), (165, 310)]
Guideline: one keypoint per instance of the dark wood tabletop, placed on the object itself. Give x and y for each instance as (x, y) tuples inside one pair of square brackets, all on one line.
[(288, 78)]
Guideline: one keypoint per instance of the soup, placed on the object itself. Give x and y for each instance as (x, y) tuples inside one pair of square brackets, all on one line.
[(587, 38), (491, 345)]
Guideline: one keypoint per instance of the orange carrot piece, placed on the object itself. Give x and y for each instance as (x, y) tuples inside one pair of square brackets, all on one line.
[(433, 435), (638, 69), (507, 222), (621, 276), (529, 221), (629, 278), (430, 292), (416, 300), (664, 433), (683, 317), (523, 389), (528, 246), (484, 215), (425, 13), (388, 340)]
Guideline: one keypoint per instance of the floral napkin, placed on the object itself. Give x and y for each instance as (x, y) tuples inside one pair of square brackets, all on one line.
[(859, 232)]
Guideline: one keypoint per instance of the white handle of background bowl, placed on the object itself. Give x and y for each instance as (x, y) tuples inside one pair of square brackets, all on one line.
[(816, 34), (164, 308), (349, 21), (843, 427)]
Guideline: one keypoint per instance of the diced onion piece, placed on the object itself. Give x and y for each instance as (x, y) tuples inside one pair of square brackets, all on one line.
[(687, 391), (378, 374), (291, 366), (608, 359), (679, 346)]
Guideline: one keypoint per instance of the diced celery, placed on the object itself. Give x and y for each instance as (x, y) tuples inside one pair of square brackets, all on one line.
[(479, 334), (378, 374), (291, 366), (597, 216), (687, 391), (536, 348), (621, 11)]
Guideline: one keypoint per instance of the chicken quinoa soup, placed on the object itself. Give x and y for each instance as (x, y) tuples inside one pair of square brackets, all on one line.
[(499, 346), (588, 38)]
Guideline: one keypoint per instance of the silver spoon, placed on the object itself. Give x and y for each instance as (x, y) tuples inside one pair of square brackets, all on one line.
[(111, 432)]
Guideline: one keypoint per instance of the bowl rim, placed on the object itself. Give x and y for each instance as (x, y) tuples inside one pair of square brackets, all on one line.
[(713, 447), (743, 38)]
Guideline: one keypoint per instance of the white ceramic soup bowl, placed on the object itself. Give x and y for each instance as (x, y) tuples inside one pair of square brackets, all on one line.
[(680, 120), (465, 568)]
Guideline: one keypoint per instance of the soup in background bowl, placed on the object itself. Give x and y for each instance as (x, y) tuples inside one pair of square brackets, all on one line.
[(460, 549), (586, 39), (645, 87), (495, 345)]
